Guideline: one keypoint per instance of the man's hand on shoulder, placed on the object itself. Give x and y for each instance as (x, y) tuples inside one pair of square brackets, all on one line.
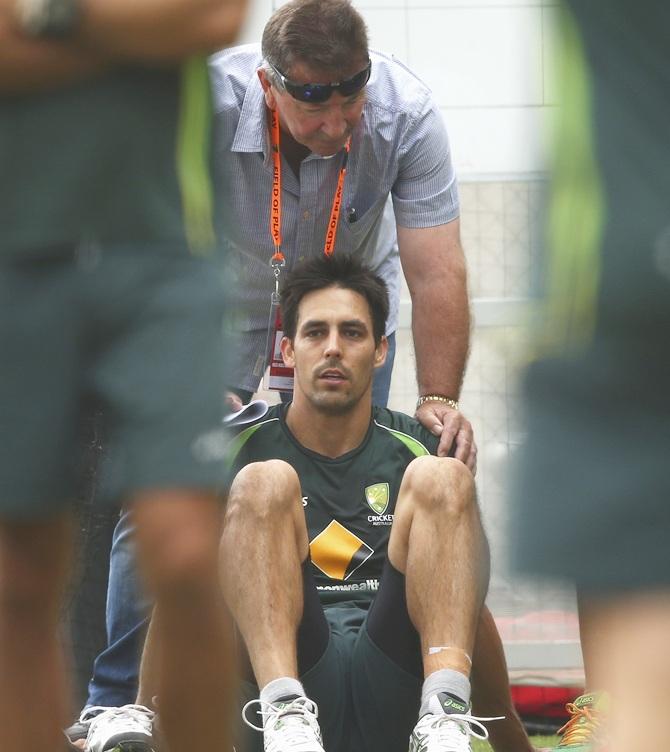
[(452, 427)]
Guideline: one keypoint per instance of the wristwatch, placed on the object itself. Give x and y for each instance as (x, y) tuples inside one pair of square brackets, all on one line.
[(48, 19)]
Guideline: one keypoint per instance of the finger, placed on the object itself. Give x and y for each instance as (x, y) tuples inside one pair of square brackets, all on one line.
[(436, 430), (463, 447), (233, 402), (472, 463), (428, 417), (447, 442)]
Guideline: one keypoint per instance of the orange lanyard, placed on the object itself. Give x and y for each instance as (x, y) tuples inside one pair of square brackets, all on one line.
[(277, 260)]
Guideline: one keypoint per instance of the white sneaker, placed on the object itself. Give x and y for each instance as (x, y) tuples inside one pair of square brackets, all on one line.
[(290, 726), (79, 729), (124, 729), (446, 732)]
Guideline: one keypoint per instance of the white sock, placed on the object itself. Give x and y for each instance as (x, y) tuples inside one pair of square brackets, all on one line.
[(444, 680), (285, 686)]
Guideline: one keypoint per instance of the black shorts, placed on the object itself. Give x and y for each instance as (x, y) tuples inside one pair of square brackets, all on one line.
[(365, 679), (139, 329)]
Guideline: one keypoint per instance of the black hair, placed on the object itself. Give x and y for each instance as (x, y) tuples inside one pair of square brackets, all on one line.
[(339, 270)]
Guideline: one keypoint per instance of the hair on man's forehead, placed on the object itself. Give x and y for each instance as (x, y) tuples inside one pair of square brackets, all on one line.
[(337, 272)]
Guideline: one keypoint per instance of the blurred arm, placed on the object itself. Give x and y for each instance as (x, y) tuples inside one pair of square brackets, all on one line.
[(160, 30), (26, 64), (111, 32)]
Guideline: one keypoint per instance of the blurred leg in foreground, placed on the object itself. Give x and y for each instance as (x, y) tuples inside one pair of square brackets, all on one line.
[(591, 501), (34, 562)]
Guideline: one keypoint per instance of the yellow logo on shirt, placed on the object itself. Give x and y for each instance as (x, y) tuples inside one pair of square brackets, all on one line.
[(337, 552), (377, 497)]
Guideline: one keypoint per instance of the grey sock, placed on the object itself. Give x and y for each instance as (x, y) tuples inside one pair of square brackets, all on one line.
[(285, 686), (444, 680)]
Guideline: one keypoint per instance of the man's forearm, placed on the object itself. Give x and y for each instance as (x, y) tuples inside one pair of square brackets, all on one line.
[(112, 32), (159, 30), (441, 330), (29, 65), (434, 266)]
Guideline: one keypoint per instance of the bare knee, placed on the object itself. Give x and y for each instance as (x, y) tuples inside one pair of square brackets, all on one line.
[(263, 492), (177, 541), (34, 563), (440, 485), (28, 593)]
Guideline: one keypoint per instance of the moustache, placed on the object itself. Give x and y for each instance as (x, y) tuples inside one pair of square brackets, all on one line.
[(332, 365)]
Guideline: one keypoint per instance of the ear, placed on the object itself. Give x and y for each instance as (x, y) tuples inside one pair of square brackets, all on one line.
[(380, 352), (270, 98), (286, 346)]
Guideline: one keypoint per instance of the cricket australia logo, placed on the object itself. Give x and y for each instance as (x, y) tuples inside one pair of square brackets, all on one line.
[(377, 497)]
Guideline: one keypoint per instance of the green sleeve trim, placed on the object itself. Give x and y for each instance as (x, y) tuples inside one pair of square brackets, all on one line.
[(414, 445), (193, 155), (236, 445), (577, 208)]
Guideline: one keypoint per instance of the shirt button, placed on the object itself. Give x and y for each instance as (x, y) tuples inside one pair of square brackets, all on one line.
[(305, 215)]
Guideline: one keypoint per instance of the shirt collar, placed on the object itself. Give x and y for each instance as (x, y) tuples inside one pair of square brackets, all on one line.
[(251, 134)]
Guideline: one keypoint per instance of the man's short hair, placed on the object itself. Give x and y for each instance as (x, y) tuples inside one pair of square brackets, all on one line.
[(327, 35), (339, 270)]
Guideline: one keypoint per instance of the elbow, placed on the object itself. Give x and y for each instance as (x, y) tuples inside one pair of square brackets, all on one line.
[(206, 29), (220, 26)]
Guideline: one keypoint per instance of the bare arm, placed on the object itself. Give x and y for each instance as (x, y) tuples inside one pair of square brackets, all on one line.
[(490, 689), (160, 30), (434, 267), (29, 65), (113, 31)]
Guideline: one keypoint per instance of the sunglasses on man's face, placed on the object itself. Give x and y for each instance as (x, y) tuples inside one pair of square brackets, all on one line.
[(317, 93)]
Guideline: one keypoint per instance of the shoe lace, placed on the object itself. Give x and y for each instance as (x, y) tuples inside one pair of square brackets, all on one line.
[(581, 726), (141, 715), (91, 712), (295, 720), (453, 728)]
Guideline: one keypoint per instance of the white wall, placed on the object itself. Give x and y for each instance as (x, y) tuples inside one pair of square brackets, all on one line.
[(486, 62)]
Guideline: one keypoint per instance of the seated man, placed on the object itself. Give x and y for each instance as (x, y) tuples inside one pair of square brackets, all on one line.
[(354, 562)]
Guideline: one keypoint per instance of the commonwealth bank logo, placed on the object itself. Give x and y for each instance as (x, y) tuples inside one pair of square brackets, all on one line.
[(337, 552), (377, 497)]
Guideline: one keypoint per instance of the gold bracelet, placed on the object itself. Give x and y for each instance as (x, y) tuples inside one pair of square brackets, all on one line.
[(437, 398)]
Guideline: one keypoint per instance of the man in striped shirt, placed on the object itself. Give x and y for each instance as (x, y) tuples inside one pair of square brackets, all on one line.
[(331, 93)]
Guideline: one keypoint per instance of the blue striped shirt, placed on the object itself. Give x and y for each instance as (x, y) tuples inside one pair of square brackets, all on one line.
[(400, 148)]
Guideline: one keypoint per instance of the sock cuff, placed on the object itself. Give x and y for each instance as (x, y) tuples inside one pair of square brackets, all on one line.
[(445, 680), (284, 686)]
